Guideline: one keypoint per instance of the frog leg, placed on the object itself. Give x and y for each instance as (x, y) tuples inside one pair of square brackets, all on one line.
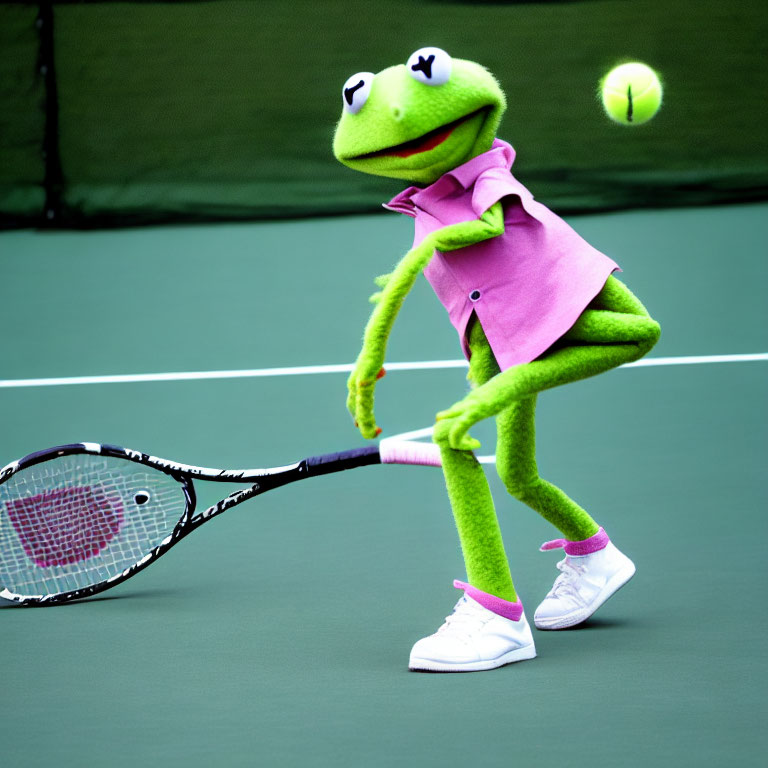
[(613, 330), (477, 524), (516, 449), (471, 501), (517, 468)]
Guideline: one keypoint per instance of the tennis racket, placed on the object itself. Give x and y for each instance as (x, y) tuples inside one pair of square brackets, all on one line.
[(81, 518)]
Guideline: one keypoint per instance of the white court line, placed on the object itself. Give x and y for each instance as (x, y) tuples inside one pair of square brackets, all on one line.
[(305, 370)]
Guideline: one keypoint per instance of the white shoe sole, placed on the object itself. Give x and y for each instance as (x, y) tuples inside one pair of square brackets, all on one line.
[(613, 585), (428, 665)]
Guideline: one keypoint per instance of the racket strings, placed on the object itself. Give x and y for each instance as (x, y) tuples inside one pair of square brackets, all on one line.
[(65, 525), (76, 521)]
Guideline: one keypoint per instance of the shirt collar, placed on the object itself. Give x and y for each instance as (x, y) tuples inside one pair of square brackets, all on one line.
[(500, 155)]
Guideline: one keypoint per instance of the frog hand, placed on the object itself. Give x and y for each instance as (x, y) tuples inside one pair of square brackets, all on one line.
[(455, 236), (453, 424), (360, 387)]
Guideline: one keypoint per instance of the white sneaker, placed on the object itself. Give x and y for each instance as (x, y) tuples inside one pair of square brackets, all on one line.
[(585, 583), (472, 639)]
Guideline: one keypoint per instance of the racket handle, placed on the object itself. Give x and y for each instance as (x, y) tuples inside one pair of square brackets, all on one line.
[(336, 462), (405, 452)]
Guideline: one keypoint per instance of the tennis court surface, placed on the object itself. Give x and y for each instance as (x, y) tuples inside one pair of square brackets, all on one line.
[(279, 634)]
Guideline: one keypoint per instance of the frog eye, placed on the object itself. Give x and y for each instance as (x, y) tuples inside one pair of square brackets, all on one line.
[(356, 90), (431, 66)]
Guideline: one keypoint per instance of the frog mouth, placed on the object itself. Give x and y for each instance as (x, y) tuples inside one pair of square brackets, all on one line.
[(422, 143)]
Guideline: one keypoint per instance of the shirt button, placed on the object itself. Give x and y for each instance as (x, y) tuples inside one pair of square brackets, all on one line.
[(474, 296)]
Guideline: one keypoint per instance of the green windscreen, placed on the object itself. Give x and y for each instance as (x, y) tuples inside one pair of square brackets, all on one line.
[(117, 113)]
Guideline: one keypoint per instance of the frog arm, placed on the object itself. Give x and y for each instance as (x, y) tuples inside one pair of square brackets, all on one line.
[(369, 365), (455, 236)]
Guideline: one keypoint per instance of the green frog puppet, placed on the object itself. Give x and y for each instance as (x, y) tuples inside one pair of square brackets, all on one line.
[(534, 305)]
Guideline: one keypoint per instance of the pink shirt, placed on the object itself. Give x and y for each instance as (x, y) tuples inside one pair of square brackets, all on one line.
[(527, 286)]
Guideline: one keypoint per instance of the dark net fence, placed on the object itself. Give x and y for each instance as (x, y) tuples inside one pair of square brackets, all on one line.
[(116, 113)]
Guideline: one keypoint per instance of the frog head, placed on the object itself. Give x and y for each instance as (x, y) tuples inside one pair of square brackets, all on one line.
[(418, 120)]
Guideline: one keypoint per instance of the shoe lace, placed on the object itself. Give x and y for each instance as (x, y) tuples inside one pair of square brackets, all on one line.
[(566, 584), (466, 619)]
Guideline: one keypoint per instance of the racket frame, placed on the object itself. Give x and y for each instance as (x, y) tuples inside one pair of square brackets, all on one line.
[(260, 481)]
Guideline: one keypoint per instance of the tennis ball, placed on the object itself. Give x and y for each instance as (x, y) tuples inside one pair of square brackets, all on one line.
[(631, 93)]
